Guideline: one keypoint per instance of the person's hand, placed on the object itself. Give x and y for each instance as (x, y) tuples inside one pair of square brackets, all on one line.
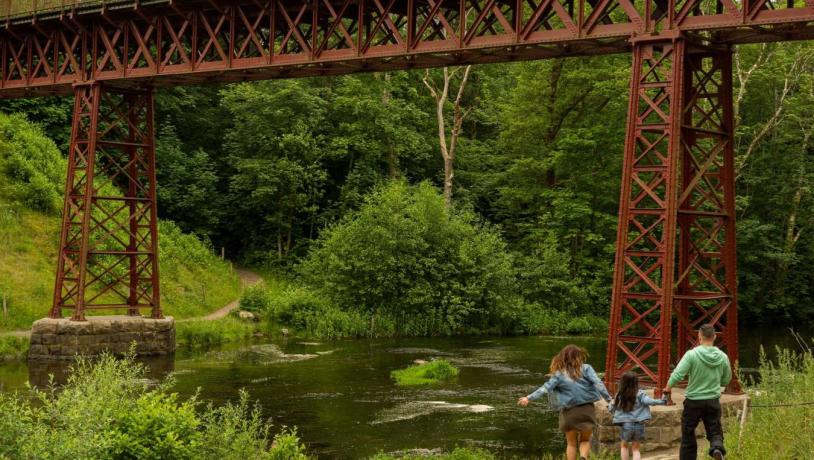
[(523, 402), (667, 390)]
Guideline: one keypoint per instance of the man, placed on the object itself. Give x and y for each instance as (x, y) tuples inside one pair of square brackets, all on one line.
[(708, 369)]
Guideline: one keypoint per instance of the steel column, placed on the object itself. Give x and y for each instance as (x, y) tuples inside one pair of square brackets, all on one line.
[(641, 308), (677, 197), (707, 282), (108, 256)]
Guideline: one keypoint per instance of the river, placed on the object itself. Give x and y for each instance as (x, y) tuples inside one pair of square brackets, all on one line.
[(341, 397)]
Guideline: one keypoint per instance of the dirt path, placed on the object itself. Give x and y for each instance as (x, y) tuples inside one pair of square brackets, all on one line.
[(247, 278)]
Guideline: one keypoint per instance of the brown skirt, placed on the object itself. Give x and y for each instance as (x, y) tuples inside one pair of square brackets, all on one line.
[(579, 418)]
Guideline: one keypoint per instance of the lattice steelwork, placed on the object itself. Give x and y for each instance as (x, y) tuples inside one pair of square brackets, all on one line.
[(48, 45), (109, 245), (641, 311), (677, 224), (706, 279)]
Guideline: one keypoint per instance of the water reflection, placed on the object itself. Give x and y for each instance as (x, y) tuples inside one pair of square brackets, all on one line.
[(43, 373)]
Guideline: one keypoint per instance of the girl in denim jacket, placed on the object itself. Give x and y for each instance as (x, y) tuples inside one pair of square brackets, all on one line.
[(630, 409)]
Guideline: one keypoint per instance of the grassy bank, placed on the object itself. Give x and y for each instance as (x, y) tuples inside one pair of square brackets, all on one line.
[(779, 424), (193, 281), (425, 374)]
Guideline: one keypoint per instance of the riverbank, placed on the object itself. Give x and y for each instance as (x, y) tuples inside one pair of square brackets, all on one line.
[(341, 399)]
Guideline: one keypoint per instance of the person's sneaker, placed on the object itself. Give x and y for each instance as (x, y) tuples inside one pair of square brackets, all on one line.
[(717, 454)]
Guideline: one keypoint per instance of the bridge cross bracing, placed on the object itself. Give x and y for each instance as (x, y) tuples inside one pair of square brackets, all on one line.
[(675, 264)]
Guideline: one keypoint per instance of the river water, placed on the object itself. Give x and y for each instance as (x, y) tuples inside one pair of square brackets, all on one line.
[(345, 405)]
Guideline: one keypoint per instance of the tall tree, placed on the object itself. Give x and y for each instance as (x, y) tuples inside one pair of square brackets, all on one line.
[(440, 93)]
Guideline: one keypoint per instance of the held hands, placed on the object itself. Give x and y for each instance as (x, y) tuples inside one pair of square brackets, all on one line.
[(523, 402)]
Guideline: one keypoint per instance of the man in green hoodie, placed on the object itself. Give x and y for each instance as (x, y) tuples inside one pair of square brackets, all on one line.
[(708, 369)]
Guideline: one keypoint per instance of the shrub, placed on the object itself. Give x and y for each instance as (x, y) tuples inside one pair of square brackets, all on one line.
[(13, 347), (427, 373), (107, 410), (255, 299), (579, 325), (403, 255), (33, 167)]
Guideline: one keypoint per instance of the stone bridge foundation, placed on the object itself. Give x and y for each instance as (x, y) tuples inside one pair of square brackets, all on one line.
[(663, 431), (64, 339)]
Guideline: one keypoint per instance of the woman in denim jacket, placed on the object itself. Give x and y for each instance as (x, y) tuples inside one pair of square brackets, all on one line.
[(630, 409), (573, 388)]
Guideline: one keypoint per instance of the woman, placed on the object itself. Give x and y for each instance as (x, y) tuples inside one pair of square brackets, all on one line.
[(573, 388)]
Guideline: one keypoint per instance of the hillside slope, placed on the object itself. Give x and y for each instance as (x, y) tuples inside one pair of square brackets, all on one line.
[(194, 281)]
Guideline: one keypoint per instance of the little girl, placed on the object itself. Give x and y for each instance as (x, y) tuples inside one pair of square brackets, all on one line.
[(630, 409)]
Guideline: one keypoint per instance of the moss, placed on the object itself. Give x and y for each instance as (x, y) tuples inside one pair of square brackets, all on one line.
[(424, 374)]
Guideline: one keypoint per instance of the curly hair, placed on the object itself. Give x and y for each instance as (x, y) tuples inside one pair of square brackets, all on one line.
[(569, 361)]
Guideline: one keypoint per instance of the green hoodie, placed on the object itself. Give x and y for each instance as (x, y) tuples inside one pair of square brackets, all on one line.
[(708, 369)]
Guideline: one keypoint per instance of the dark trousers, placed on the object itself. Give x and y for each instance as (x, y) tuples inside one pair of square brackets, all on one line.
[(708, 411)]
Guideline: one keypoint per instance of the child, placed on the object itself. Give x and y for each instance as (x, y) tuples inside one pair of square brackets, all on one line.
[(573, 388), (630, 409)]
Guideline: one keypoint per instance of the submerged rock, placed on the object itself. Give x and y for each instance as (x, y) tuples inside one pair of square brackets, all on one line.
[(414, 409)]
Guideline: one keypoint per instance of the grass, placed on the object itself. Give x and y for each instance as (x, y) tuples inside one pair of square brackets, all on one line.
[(200, 333), (13, 347), (194, 282), (782, 432), (425, 374)]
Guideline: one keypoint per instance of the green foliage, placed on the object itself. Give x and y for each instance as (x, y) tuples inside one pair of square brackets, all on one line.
[(107, 410), (403, 255), (436, 371), (156, 426), (782, 432), (255, 299), (32, 167), (13, 347), (202, 333)]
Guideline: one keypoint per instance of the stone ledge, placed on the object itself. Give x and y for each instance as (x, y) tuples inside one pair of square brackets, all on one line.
[(63, 339), (663, 431)]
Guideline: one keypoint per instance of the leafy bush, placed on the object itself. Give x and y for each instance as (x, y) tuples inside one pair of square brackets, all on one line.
[(107, 410), (404, 256), (427, 373), (578, 326), (255, 299), (13, 347), (33, 167)]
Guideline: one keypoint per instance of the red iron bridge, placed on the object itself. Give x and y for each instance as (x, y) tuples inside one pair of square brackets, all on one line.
[(675, 264)]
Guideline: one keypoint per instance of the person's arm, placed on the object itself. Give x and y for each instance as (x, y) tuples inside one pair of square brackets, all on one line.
[(726, 377), (680, 371), (547, 387), (648, 401), (590, 374)]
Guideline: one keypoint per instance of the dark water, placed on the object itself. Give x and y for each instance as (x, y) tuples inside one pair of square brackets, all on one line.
[(345, 405)]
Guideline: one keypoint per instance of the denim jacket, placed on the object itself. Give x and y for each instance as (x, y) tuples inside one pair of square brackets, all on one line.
[(565, 392), (640, 412)]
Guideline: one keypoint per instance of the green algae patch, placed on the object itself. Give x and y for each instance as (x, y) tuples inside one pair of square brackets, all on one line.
[(425, 374)]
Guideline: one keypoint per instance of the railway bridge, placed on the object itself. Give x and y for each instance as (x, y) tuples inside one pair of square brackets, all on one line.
[(675, 264)]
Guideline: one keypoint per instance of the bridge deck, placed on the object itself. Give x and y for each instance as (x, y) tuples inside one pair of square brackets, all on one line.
[(47, 46)]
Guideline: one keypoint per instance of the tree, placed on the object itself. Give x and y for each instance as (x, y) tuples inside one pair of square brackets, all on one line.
[(459, 113)]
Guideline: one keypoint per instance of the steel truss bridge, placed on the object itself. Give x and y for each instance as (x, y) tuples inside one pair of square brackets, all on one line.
[(675, 263)]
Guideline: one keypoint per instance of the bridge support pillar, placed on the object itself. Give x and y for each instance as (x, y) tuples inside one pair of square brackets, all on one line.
[(676, 230), (108, 252)]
